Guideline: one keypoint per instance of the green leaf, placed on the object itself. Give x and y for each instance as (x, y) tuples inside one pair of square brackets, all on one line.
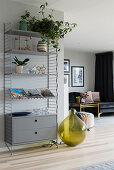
[(26, 60), (19, 63), (50, 16), (51, 31), (14, 62), (41, 6)]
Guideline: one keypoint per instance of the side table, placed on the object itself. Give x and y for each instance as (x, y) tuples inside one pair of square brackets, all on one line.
[(85, 105)]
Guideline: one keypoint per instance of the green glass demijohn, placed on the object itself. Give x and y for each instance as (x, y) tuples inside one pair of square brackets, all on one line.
[(72, 130)]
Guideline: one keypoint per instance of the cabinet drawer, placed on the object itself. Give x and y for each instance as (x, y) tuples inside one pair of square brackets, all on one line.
[(29, 123), (47, 133), (46, 121), (27, 136), (23, 123)]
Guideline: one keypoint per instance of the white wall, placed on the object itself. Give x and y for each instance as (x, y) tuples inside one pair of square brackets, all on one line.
[(88, 61), (66, 100), (11, 12)]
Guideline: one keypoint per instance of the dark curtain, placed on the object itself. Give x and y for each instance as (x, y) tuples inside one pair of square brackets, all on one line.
[(104, 76)]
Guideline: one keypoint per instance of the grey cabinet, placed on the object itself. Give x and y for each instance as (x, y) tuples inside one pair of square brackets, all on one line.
[(28, 129)]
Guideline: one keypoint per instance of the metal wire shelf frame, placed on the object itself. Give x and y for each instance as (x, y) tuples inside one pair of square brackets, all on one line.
[(51, 75)]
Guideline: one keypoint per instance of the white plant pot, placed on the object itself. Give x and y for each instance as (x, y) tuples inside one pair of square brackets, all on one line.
[(19, 69)]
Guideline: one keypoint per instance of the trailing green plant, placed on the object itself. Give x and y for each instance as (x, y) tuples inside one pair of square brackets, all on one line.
[(20, 63), (51, 31), (78, 97)]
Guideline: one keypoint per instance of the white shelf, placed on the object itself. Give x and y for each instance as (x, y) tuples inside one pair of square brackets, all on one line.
[(23, 33), (30, 74), (30, 52)]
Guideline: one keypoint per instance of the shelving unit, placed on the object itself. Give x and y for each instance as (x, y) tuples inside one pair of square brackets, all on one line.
[(31, 128)]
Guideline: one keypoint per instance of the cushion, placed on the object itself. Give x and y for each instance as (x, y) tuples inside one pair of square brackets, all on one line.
[(83, 97), (82, 94), (84, 116), (86, 97), (96, 96), (89, 98), (88, 118)]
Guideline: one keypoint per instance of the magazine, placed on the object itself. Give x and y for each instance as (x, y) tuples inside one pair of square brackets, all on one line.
[(17, 93), (47, 93), (32, 93)]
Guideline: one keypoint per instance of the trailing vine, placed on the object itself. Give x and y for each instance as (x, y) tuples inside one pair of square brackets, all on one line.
[(51, 31)]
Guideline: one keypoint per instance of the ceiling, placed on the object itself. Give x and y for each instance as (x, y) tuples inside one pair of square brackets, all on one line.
[(95, 20)]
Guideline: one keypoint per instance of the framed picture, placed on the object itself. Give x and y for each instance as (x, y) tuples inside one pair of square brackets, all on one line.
[(66, 66), (77, 76), (67, 79)]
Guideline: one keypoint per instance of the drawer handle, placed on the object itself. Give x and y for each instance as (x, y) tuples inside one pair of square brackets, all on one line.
[(35, 132), (35, 120)]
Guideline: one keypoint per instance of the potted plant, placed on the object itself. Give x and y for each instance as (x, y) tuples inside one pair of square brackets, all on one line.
[(51, 30), (23, 25), (78, 99), (20, 64)]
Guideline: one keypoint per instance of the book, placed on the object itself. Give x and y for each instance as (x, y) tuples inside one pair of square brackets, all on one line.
[(47, 93), (32, 93), (17, 93)]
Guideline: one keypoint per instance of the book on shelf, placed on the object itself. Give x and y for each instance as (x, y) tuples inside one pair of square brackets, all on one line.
[(33, 93), (17, 93), (30, 93), (47, 93)]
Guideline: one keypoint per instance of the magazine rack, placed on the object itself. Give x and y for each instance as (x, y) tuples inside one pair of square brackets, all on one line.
[(34, 127)]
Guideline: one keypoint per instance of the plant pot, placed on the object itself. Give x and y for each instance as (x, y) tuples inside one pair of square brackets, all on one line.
[(78, 101), (19, 69), (23, 25), (42, 46)]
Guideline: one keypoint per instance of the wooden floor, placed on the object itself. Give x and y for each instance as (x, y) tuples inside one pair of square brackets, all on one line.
[(98, 147)]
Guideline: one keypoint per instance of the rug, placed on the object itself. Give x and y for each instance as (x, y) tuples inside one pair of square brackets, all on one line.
[(103, 166)]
